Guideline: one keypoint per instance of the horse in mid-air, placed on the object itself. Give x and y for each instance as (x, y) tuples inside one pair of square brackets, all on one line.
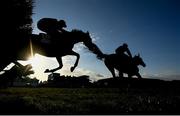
[(62, 47), (126, 65)]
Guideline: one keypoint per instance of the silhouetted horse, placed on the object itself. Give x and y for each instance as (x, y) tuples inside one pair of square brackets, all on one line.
[(124, 65), (63, 46)]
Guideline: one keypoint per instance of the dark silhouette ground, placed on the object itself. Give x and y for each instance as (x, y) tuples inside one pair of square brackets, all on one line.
[(142, 83), (126, 99), (106, 96)]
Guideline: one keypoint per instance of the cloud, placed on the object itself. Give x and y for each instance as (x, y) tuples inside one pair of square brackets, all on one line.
[(94, 76), (94, 37), (79, 47), (99, 75), (68, 60)]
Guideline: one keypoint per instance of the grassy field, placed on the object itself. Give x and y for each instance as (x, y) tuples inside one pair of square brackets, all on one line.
[(88, 101)]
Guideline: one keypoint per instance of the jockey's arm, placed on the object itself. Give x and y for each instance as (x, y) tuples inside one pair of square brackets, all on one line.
[(129, 53)]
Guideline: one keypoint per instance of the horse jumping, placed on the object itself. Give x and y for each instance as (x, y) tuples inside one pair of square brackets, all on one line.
[(63, 46)]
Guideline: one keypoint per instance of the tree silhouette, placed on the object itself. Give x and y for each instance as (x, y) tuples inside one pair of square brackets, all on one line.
[(8, 77), (16, 27)]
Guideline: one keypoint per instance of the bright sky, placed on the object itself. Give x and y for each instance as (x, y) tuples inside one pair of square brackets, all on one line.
[(150, 27)]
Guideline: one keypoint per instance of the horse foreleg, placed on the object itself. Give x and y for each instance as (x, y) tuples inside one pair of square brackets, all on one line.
[(139, 76), (120, 73), (112, 72), (77, 60), (59, 59)]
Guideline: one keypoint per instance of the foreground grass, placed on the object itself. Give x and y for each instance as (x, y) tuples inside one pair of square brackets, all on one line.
[(88, 101)]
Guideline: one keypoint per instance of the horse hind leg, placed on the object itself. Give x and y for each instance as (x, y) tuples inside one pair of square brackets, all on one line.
[(77, 60), (139, 76), (112, 72), (110, 68)]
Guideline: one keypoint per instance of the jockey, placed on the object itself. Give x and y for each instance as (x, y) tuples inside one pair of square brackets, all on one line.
[(120, 51), (52, 27)]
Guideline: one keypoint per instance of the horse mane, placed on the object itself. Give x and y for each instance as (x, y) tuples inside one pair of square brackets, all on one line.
[(79, 34)]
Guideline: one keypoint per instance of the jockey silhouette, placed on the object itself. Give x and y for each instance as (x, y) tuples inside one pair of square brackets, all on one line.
[(121, 50), (52, 27)]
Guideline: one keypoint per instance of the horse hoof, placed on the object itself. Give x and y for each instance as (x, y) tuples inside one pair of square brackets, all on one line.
[(72, 69)]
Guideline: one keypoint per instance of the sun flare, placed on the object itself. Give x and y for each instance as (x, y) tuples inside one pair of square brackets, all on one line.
[(39, 65), (35, 60), (40, 62)]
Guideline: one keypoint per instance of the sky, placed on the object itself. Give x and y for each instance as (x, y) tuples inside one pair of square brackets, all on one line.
[(149, 27)]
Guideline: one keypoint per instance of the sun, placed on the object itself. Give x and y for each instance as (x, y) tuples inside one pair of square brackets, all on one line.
[(41, 63), (34, 61)]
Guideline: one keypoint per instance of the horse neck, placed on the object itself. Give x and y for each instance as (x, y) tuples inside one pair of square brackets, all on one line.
[(78, 36)]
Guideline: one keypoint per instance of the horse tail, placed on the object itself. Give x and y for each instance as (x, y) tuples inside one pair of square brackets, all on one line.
[(95, 49), (100, 55)]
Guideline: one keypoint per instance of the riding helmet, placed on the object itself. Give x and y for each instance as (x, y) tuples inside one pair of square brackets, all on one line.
[(47, 24)]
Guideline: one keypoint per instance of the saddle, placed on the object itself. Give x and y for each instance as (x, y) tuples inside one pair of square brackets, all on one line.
[(45, 38)]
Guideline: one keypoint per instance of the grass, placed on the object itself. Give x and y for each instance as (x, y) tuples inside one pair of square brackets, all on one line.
[(88, 101)]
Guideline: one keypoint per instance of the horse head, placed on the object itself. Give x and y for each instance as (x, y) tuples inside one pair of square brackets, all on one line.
[(138, 60)]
